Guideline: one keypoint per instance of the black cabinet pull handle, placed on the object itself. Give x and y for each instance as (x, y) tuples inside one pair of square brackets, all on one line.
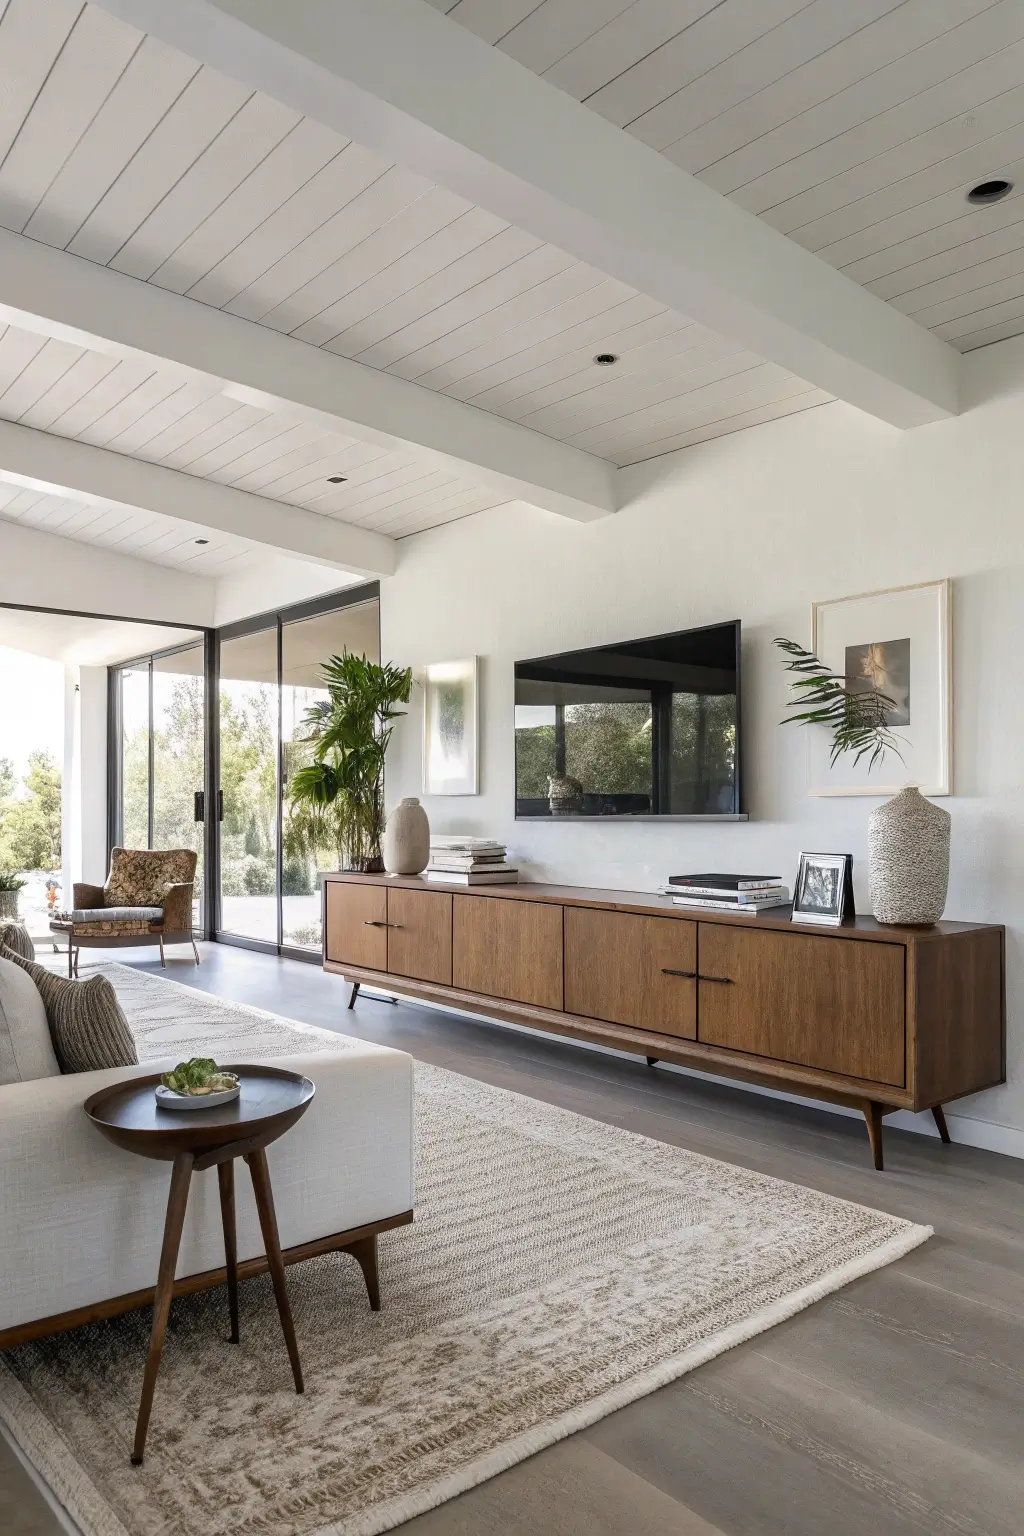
[(725, 981), (689, 975)]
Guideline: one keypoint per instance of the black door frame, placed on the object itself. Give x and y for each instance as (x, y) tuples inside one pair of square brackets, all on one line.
[(272, 618)]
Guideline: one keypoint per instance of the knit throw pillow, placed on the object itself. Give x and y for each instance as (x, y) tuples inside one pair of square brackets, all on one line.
[(88, 1028), (16, 936)]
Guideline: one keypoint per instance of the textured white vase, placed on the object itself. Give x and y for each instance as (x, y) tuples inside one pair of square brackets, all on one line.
[(406, 838), (908, 857)]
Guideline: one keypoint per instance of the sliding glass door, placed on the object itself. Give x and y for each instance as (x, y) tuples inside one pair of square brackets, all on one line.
[(269, 677), (249, 727), (160, 704)]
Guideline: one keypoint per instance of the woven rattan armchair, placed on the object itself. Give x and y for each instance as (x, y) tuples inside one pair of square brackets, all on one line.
[(147, 899)]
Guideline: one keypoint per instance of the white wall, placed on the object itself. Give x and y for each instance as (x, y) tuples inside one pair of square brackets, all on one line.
[(756, 526), (84, 777), (275, 583), (42, 570)]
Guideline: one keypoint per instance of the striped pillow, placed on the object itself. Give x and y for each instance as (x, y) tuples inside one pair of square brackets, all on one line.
[(88, 1028)]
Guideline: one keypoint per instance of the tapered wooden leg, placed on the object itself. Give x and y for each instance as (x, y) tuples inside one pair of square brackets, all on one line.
[(873, 1117), (353, 994), (365, 1254), (272, 1243), (226, 1180), (177, 1199), (940, 1121), (163, 957)]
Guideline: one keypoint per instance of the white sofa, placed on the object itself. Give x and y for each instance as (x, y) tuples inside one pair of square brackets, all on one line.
[(81, 1221)]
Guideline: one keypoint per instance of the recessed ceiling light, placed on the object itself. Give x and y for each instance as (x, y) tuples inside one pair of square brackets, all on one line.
[(336, 479), (605, 359), (990, 191), (202, 541)]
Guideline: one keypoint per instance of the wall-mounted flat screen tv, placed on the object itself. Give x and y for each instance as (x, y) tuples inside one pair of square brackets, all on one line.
[(645, 728)]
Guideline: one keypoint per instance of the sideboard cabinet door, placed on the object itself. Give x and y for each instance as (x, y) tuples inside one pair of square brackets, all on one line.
[(829, 1003), (420, 935), (632, 969), (356, 931), (508, 948)]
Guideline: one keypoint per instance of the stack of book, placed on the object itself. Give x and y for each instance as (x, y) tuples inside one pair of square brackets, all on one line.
[(748, 894), (469, 861)]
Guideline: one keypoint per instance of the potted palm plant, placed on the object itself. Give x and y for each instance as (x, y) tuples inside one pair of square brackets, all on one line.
[(336, 799)]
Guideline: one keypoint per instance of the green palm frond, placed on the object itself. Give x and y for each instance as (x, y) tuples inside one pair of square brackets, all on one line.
[(858, 718), (339, 795)]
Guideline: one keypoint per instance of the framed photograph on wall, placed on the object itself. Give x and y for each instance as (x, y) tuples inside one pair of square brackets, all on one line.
[(450, 727), (900, 643)]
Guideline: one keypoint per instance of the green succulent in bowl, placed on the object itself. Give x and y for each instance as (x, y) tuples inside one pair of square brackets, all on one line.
[(198, 1077)]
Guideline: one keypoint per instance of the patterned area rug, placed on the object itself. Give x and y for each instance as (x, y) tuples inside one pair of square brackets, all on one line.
[(557, 1269)]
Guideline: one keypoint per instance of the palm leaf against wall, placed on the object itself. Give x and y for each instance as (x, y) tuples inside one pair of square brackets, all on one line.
[(858, 718)]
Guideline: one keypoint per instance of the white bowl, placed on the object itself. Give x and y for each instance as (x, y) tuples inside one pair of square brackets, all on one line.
[(168, 1099)]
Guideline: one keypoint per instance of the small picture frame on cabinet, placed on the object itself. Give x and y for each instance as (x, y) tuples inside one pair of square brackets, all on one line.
[(823, 891)]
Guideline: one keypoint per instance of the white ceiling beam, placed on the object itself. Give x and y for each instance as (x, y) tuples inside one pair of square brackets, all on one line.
[(61, 295), (402, 79), (42, 461)]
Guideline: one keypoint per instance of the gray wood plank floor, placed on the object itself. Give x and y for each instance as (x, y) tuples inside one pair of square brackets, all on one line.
[(895, 1406)]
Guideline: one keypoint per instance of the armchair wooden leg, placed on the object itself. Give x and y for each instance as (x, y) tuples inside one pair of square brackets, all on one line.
[(78, 953), (195, 951), (163, 957)]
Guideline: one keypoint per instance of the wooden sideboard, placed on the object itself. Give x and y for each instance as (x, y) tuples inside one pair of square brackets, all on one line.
[(881, 1018)]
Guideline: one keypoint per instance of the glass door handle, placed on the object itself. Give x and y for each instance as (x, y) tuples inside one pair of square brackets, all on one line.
[(688, 975), (199, 806)]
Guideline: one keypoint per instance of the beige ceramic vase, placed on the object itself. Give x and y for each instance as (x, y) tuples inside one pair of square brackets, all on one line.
[(406, 847), (908, 854)]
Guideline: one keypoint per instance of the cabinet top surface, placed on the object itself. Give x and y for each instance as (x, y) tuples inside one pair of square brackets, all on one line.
[(648, 902)]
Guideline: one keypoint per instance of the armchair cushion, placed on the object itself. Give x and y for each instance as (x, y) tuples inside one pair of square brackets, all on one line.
[(140, 877), (87, 1026), (117, 914)]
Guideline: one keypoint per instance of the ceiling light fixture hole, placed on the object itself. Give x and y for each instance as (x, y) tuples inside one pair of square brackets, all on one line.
[(605, 359), (992, 191)]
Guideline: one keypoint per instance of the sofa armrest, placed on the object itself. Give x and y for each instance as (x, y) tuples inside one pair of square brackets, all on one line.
[(82, 1220), (86, 898), (178, 908)]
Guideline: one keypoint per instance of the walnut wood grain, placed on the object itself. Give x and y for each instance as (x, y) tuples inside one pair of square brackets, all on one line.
[(632, 969), (420, 935), (801, 998), (508, 949), (356, 924), (960, 1008)]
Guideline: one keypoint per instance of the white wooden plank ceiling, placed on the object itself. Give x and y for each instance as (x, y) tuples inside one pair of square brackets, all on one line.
[(126, 531), (855, 127), (160, 414), (124, 152)]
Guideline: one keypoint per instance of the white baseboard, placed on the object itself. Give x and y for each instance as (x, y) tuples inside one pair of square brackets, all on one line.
[(967, 1130)]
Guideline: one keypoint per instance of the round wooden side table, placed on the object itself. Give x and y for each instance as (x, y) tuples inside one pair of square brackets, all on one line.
[(270, 1103)]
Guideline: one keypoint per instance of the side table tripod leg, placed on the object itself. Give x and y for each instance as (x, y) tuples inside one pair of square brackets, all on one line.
[(271, 1241), (177, 1199), (226, 1180)]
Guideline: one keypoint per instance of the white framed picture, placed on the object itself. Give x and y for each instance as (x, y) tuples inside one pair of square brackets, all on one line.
[(899, 642), (450, 727)]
